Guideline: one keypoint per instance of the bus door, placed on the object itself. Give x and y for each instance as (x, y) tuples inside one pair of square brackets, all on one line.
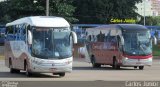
[(98, 49), (111, 48)]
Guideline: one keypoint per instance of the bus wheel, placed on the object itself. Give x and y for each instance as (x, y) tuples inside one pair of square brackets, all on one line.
[(16, 71), (135, 67), (115, 64), (94, 64), (12, 70), (141, 67), (28, 73), (62, 74)]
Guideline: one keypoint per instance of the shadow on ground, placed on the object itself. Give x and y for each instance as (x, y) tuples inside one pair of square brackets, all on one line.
[(103, 68), (22, 75)]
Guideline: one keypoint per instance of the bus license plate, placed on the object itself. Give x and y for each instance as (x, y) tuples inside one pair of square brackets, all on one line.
[(138, 63), (52, 69)]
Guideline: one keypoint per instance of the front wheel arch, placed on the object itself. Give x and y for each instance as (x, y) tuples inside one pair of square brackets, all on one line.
[(25, 62), (93, 61)]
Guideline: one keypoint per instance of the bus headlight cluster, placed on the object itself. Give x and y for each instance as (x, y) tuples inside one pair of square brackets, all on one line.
[(37, 62), (68, 62), (126, 58)]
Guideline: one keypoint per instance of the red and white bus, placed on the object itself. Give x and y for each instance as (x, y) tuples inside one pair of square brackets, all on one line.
[(128, 45), (41, 44)]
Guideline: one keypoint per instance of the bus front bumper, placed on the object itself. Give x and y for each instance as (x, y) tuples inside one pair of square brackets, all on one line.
[(49, 68), (137, 62)]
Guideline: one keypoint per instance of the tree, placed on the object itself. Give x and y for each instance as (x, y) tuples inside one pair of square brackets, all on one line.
[(150, 21), (4, 17), (102, 11), (63, 8), (14, 9), (157, 19)]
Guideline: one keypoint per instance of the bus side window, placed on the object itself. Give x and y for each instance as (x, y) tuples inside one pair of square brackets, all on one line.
[(89, 38), (24, 34), (17, 34), (10, 33), (100, 37), (119, 43), (94, 38), (106, 38)]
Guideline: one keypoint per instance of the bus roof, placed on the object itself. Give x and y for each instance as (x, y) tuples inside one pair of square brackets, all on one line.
[(132, 27), (116, 29), (41, 21), (121, 26)]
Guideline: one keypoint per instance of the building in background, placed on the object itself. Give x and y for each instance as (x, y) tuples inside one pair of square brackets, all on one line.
[(156, 7), (150, 7)]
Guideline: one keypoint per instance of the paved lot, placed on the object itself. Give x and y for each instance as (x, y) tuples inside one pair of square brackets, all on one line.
[(83, 71)]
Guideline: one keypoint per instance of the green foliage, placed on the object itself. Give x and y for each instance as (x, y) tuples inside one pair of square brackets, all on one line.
[(63, 8), (102, 11), (150, 21), (86, 11), (157, 19), (14, 9), (156, 50)]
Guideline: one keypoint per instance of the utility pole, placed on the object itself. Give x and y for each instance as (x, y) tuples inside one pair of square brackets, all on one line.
[(144, 3), (47, 7)]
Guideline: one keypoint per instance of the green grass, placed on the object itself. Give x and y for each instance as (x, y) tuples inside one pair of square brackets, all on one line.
[(156, 50)]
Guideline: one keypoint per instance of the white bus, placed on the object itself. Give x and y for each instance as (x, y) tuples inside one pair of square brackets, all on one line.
[(39, 44)]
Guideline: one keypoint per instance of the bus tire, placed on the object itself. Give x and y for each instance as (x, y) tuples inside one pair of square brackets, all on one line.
[(12, 70), (115, 64), (141, 67), (16, 71), (94, 64), (28, 73), (135, 67), (62, 74)]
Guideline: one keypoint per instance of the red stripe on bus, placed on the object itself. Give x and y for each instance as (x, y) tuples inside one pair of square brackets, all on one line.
[(139, 57)]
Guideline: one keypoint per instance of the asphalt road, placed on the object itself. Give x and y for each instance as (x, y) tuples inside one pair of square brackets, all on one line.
[(83, 71)]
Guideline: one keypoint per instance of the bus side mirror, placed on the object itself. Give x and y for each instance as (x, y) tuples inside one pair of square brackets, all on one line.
[(154, 40), (122, 40), (29, 37), (74, 37)]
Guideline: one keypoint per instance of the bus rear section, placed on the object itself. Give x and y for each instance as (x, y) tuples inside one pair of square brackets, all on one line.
[(127, 45)]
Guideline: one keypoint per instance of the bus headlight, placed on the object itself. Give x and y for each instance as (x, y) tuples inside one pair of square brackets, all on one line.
[(68, 62), (126, 58), (37, 62)]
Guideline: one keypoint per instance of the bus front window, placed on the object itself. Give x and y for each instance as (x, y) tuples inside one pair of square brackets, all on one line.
[(49, 44), (137, 43), (62, 44)]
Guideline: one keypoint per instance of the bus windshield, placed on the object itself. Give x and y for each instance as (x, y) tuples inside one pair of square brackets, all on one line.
[(51, 43), (137, 43)]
